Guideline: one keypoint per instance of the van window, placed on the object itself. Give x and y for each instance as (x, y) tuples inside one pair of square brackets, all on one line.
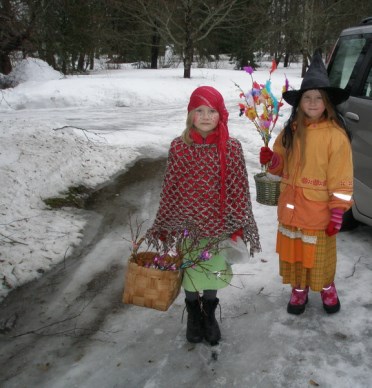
[(367, 88), (347, 53)]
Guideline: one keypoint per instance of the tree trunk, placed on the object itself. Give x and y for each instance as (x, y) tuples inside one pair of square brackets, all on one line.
[(155, 40), (187, 72), (64, 67), (308, 34), (304, 63), (286, 60), (187, 62), (91, 61), (188, 57), (80, 66), (50, 59), (189, 43), (5, 64)]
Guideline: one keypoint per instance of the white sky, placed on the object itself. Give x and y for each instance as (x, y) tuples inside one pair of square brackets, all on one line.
[(129, 114)]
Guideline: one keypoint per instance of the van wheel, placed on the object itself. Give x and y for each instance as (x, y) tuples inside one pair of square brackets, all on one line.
[(348, 221)]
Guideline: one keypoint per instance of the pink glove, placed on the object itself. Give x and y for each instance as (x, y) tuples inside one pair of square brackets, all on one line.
[(335, 222), (265, 155)]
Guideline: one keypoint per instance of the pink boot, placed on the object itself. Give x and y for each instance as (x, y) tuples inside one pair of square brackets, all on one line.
[(298, 301), (331, 303)]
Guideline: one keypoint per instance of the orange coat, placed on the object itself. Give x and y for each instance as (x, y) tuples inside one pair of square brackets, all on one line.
[(308, 194)]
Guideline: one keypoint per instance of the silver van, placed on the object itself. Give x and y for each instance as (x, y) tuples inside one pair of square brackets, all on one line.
[(350, 66)]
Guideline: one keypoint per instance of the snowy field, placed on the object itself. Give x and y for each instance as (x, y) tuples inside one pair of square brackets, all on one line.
[(57, 132)]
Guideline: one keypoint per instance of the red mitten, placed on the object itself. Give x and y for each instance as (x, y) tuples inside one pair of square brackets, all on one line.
[(335, 222), (235, 235), (265, 155)]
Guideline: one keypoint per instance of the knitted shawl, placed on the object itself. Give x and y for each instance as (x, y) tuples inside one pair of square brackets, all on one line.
[(191, 193)]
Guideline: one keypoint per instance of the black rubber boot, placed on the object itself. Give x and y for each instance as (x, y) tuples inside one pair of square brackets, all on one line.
[(194, 330), (212, 333)]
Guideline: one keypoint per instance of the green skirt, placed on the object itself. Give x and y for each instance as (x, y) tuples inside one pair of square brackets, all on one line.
[(212, 274)]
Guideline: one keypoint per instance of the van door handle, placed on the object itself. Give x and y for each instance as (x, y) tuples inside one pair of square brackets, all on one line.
[(352, 116)]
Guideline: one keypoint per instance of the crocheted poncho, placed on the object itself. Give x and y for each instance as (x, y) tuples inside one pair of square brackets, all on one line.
[(191, 193)]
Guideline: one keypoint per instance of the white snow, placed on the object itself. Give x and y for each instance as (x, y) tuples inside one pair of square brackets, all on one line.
[(41, 156), (57, 132)]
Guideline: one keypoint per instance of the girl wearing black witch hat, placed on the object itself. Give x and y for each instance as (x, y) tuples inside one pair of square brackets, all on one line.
[(312, 155)]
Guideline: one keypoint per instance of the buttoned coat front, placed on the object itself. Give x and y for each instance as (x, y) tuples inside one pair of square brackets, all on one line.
[(323, 181)]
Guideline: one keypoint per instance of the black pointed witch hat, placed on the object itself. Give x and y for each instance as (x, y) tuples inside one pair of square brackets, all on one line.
[(316, 77)]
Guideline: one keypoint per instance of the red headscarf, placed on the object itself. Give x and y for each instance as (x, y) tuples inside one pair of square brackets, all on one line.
[(208, 96)]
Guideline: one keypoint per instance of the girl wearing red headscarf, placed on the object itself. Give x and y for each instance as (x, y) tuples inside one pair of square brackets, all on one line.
[(206, 184)]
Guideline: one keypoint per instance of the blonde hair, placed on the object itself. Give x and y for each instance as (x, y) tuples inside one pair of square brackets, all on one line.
[(185, 136)]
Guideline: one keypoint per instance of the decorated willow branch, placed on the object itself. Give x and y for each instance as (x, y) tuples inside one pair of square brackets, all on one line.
[(260, 105), (183, 247)]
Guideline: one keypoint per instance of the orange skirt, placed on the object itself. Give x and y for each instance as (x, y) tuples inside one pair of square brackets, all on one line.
[(306, 257)]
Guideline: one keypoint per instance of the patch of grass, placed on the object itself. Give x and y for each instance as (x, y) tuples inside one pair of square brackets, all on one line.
[(74, 197)]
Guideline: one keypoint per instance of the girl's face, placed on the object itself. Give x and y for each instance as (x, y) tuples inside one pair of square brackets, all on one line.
[(205, 119), (312, 104)]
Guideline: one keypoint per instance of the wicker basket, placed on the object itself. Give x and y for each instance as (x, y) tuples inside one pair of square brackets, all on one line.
[(150, 287), (267, 189)]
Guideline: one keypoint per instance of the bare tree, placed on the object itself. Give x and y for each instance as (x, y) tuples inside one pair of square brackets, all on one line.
[(68, 33), (316, 24), (16, 25), (182, 23)]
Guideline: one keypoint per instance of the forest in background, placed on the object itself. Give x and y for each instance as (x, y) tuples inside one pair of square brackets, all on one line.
[(70, 34)]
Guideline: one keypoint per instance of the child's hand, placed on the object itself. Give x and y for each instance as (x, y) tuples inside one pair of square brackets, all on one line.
[(335, 223), (265, 155), (235, 235), (235, 249)]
